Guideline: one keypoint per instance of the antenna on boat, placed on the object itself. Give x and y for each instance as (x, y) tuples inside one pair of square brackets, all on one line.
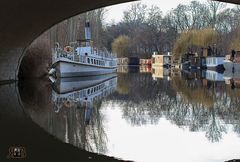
[(87, 30)]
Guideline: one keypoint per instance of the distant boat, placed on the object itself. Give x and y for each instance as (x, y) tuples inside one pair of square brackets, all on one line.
[(161, 60), (215, 63), (80, 58), (232, 63)]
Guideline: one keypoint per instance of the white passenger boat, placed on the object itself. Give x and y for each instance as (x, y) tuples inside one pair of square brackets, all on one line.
[(80, 58)]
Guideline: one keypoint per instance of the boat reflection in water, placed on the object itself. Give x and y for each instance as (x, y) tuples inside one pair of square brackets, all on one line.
[(160, 72), (213, 76), (76, 118)]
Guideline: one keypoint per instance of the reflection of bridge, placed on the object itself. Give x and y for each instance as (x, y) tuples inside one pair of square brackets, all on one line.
[(24, 20)]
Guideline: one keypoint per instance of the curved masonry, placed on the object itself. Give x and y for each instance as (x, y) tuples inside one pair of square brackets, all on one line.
[(24, 20)]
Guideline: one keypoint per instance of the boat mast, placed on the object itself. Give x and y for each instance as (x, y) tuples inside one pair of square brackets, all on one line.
[(87, 31)]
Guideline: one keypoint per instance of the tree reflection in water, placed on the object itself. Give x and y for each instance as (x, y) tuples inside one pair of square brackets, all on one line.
[(68, 122), (189, 102)]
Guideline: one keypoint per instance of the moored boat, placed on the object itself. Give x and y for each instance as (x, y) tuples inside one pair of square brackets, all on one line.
[(80, 58), (215, 63), (231, 63)]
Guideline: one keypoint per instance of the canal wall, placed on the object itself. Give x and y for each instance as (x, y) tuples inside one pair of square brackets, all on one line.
[(10, 60)]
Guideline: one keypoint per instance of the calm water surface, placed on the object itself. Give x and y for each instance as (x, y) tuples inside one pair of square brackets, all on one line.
[(139, 116)]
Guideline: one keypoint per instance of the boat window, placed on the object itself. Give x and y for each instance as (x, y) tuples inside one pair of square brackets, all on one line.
[(88, 60), (88, 91), (97, 62), (92, 61), (86, 54)]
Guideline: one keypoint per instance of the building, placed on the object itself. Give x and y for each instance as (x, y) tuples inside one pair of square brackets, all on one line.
[(161, 60)]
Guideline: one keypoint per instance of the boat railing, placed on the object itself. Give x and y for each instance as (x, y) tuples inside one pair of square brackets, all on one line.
[(70, 53)]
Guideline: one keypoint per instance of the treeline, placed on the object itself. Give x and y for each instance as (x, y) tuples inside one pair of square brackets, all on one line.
[(148, 29)]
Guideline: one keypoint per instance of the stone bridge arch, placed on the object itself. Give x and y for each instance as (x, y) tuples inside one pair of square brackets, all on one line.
[(21, 21)]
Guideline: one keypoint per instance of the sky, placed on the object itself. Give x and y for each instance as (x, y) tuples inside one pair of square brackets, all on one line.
[(116, 12)]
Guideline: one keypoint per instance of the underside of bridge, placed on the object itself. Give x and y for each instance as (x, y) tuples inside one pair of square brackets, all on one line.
[(24, 20)]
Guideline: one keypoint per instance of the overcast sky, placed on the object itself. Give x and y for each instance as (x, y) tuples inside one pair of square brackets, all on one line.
[(116, 12)]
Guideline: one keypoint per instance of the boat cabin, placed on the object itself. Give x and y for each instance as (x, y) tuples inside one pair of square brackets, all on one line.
[(145, 61), (161, 60), (214, 62)]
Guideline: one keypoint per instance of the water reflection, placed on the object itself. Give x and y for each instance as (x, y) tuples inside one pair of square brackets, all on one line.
[(34, 98), (73, 114), (102, 114)]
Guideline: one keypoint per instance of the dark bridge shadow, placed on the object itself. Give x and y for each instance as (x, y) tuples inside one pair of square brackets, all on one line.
[(19, 130)]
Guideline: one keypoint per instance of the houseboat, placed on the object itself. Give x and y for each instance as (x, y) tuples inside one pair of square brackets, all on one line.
[(80, 58), (231, 62), (204, 59), (215, 63), (194, 61), (145, 62), (161, 60), (128, 61)]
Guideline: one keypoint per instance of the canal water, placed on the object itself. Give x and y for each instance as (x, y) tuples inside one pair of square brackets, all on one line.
[(136, 115)]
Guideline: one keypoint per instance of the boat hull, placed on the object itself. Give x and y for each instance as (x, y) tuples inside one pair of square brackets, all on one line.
[(231, 67), (66, 69), (66, 85), (218, 68)]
